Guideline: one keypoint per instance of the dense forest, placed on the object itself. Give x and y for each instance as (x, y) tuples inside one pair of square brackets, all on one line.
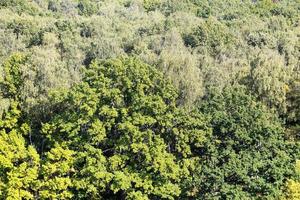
[(150, 99)]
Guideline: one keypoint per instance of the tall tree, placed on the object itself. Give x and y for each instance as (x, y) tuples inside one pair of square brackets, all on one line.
[(247, 157), (128, 136), (19, 161)]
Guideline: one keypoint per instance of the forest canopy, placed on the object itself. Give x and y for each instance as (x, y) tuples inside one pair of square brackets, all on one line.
[(149, 99)]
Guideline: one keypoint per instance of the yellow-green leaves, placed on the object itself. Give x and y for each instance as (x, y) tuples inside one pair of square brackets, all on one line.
[(11, 81), (19, 162), (293, 190), (19, 167), (97, 131), (293, 186), (56, 171)]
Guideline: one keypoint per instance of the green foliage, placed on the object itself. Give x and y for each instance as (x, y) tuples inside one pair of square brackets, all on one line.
[(175, 58), (75, 128), (126, 133), (294, 102), (86, 7), (19, 163), (19, 167), (247, 157), (269, 80), (210, 34), (293, 113), (56, 171), (11, 82), (20, 6), (151, 5)]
